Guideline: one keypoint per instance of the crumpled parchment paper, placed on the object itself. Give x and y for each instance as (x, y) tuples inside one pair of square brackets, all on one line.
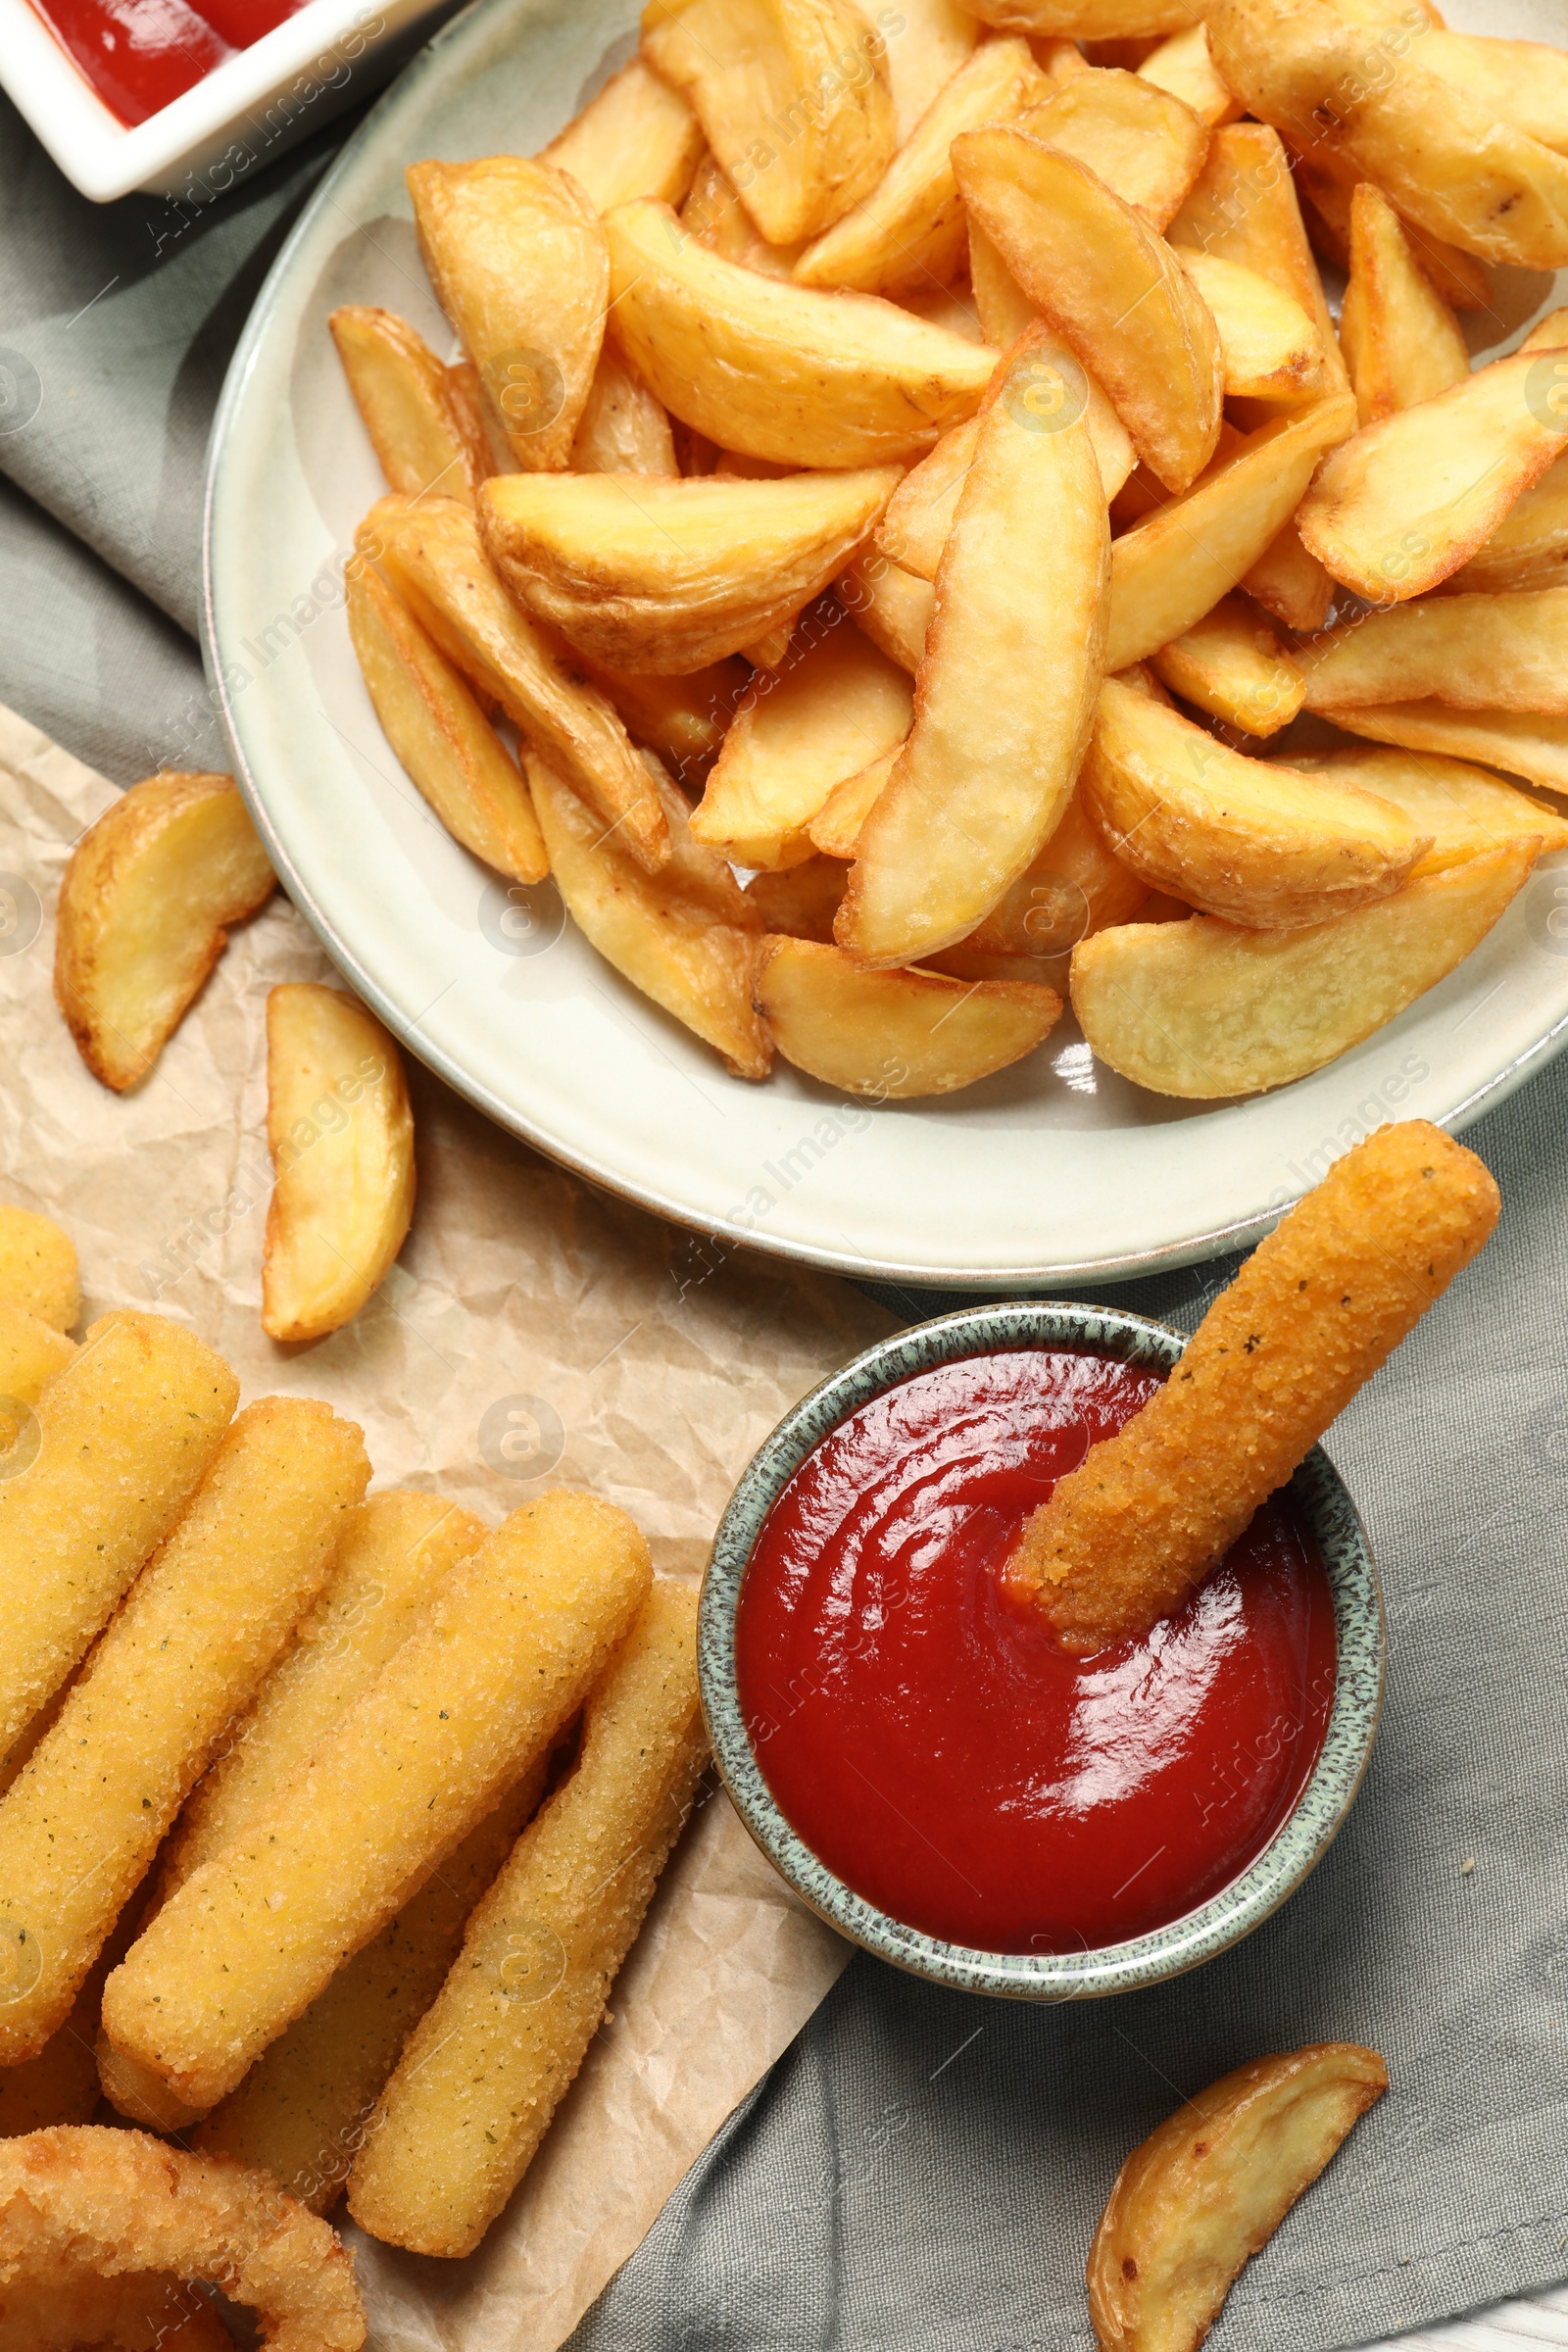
[(534, 1331)]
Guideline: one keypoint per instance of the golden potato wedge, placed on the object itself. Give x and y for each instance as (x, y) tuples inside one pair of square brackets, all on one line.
[(1549, 334), (1004, 697), (1270, 347), (1523, 743), (662, 575), (1184, 65), (1479, 653), (1290, 583), (1075, 886), (1145, 143), (38, 1267), (838, 705), (894, 1035), (433, 557), (793, 96), (1112, 290), (1256, 841), (1326, 183), (1174, 566), (31, 1350), (686, 938), (341, 1137), (1529, 549), (1208, 2188), (1441, 154), (683, 719), (835, 829), (439, 733), (1087, 19), (782, 371), (938, 35), (909, 230), (1463, 808), (1521, 82), (949, 306), (1204, 1009), (638, 137), (423, 437), (1408, 500), (716, 217), (1402, 343), (623, 428), (144, 909), (517, 260), (1005, 308), (891, 605), (1232, 666), (802, 901)]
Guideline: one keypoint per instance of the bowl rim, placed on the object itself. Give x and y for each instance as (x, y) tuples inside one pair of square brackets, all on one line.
[(1298, 1845)]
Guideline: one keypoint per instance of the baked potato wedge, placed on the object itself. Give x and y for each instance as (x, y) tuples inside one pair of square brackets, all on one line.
[(1523, 743), (938, 35), (1291, 584), (1402, 343), (836, 706), (1208, 2188), (777, 371), (1463, 808), (341, 1137), (1232, 666), (1004, 696), (424, 437), (444, 741), (1479, 653), (517, 260), (894, 1035), (745, 67), (1087, 19), (800, 901), (1241, 208), (890, 605), (1270, 347), (1110, 286), (716, 217), (432, 554), (622, 428), (1529, 549), (1184, 65), (38, 1269), (1145, 144), (1204, 1009), (686, 937), (638, 137), (835, 829), (1075, 886), (663, 576), (1253, 841), (1326, 183), (145, 908)]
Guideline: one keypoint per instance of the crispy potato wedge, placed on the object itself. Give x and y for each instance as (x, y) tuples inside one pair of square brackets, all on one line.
[(686, 937), (1184, 65), (1290, 583), (1004, 697), (1479, 653), (1408, 500), (1087, 19), (1232, 666), (517, 260), (1208, 2188), (623, 428), (1549, 334), (434, 558), (1271, 348), (1005, 308), (891, 605), (1529, 549), (747, 67), (1522, 83), (949, 306), (638, 137), (1174, 566), (430, 716), (1241, 208), (1253, 841), (938, 35), (1464, 808), (716, 217), (423, 439), (802, 901), (1441, 154), (341, 1136), (909, 230), (1523, 743), (144, 913), (838, 705), (1112, 290), (683, 719), (894, 1035), (1075, 886), (783, 371), (1204, 1009), (38, 1267), (1145, 143), (1327, 183), (1402, 343), (657, 574), (835, 829)]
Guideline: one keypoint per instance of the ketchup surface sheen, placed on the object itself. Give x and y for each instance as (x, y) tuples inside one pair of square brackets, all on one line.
[(139, 55), (926, 1737)]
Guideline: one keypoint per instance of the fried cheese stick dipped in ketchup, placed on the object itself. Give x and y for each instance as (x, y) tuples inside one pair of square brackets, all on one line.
[(1316, 1308)]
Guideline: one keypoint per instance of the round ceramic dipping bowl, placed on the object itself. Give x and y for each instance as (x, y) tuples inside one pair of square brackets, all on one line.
[(1184, 1943)]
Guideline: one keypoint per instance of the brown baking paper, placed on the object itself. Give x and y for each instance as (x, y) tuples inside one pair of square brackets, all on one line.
[(534, 1332)]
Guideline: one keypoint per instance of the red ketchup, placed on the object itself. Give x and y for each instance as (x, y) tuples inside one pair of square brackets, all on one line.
[(138, 55), (926, 1737)]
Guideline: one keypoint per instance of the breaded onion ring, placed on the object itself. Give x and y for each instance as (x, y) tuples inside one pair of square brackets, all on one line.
[(84, 2199), (139, 2313)]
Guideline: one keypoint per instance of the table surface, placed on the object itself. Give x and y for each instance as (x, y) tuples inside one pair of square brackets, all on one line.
[(1539, 2320)]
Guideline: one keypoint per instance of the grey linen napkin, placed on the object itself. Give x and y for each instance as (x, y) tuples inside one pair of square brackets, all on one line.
[(923, 2171)]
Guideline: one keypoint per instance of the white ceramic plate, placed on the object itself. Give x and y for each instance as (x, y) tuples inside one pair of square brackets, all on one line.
[(1052, 1171)]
